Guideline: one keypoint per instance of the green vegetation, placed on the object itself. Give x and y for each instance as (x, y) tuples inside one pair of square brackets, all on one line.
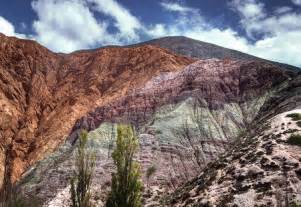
[(295, 139), (150, 172), (298, 123), (294, 204), (82, 178), (126, 185), (294, 116)]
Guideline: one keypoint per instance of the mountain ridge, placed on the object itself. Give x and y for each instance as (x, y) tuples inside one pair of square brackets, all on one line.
[(203, 51), (205, 47), (218, 51)]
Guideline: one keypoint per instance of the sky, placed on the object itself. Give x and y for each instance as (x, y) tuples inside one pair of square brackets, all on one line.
[(269, 29)]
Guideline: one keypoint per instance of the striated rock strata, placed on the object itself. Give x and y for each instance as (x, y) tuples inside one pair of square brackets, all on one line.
[(42, 94), (227, 95), (47, 98)]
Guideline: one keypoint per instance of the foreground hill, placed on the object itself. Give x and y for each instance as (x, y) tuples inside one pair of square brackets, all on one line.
[(187, 112), (263, 168)]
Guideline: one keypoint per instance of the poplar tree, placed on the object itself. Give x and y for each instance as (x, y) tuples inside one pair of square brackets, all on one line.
[(126, 183), (82, 179)]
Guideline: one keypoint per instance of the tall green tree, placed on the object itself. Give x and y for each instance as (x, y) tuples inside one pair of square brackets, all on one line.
[(83, 173), (126, 183)]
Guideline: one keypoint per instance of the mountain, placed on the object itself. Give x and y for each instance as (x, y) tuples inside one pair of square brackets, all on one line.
[(43, 93), (189, 111), (203, 50)]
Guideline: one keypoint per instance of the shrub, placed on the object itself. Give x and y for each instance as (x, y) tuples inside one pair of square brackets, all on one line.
[(294, 204), (295, 116), (295, 139), (82, 178), (298, 123), (126, 185)]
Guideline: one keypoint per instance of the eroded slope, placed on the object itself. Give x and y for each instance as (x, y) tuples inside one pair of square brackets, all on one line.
[(42, 94), (226, 95), (261, 170)]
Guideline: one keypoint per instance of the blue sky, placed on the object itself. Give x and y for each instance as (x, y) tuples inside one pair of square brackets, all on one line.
[(269, 29)]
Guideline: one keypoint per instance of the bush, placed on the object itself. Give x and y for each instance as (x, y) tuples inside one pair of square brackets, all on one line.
[(298, 123), (295, 139), (126, 185), (82, 178), (294, 204), (294, 116)]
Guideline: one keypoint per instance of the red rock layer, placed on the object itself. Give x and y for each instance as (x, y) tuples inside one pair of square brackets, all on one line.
[(42, 94)]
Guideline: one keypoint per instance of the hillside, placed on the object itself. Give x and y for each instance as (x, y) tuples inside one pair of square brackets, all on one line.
[(42, 95), (262, 168), (190, 103)]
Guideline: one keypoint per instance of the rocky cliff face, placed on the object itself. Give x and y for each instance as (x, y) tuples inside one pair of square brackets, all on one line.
[(187, 112)]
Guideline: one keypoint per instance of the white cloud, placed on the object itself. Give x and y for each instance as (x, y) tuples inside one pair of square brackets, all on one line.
[(281, 33), (256, 21), (67, 25), (175, 7), (125, 22), (297, 2), (185, 19), (282, 10), (249, 9), (275, 24), (250, 12), (8, 28), (282, 48)]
